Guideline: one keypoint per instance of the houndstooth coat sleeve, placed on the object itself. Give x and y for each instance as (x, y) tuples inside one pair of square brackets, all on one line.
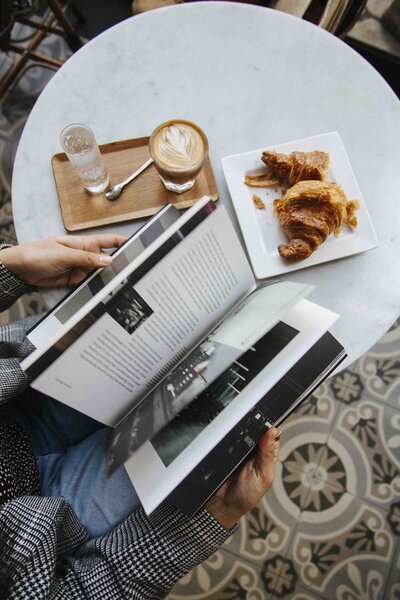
[(14, 345), (45, 553)]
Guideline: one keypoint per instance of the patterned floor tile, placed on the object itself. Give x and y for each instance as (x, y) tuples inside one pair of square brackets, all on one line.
[(344, 553), (366, 437), (226, 577), (222, 577), (304, 427), (321, 405), (312, 473), (347, 386), (379, 369), (280, 577), (262, 531), (322, 482), (298, 594), (392, 588)]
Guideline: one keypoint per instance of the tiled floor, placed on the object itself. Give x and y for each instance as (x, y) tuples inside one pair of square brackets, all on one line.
[(330, 527)]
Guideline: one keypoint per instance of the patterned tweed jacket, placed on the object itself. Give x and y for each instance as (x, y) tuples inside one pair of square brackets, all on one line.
[(44, 550)]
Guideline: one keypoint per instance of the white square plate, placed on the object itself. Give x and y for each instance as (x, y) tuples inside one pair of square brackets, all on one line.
[(261, 230)]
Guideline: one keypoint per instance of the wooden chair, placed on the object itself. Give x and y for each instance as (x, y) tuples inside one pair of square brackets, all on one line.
[(25, 52), (336, 16)]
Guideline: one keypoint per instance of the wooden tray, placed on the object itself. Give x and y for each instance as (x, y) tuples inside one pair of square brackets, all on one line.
[(141, 198)]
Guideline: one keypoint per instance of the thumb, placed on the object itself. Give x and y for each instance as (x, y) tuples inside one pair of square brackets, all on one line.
[(265, 456), (86, 260)]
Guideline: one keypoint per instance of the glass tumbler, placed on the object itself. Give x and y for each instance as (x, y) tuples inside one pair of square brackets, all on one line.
[(80, 146), (179, 149)]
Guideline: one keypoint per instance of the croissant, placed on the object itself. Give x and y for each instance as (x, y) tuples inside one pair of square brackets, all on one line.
[(308, 213), (288, 169)]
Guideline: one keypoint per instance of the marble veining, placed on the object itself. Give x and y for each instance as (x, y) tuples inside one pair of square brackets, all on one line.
[(249, 77)]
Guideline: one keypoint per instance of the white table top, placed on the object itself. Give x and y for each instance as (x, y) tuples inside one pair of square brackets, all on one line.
[(250, 77)]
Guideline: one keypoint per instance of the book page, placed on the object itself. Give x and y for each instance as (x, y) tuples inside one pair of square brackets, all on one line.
[(160, 465), (151, 322), (79, 321), (220, 350)]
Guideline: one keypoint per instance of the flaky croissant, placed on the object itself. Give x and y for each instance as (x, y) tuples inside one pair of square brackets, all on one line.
[(288, 169), (310, 211)]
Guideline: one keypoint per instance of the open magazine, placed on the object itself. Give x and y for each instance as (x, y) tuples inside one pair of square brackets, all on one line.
[(174, 344)]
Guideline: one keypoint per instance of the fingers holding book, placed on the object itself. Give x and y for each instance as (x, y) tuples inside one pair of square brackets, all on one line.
[(59, 261), (244, 489)]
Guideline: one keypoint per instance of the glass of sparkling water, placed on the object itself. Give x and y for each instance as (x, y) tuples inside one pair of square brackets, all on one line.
[(80, 146)]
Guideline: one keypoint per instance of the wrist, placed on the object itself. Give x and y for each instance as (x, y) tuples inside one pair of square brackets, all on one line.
[(9, 259), (225, 516), (16, 260)]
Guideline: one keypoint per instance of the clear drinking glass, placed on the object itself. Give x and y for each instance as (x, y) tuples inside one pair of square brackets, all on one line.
[(178, 149), (80, 146)]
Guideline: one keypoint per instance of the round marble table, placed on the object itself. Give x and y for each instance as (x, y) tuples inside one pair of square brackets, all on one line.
[(251, 77)]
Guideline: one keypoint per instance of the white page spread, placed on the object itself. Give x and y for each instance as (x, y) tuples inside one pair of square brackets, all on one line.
[(220, 350), (110, 286), (154, 481), (153, 324)]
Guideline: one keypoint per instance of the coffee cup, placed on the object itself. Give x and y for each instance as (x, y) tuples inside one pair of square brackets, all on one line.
[(178, 149)]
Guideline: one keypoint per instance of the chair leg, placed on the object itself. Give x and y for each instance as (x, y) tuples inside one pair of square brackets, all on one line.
[(16, 69), (79, 17), (28, 52), (71, 37)]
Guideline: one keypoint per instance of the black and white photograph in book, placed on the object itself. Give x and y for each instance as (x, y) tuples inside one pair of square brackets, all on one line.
[(122, 256), (130, 310), (271, 410), (185, 382), (174, 438), (217, 357)]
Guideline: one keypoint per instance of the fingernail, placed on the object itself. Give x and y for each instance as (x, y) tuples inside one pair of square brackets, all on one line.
[(104, 259)]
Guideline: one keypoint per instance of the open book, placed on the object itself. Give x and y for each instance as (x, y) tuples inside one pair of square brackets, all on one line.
[(176, 346)]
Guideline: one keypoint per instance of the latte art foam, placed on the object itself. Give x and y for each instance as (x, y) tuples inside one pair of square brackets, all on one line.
[(178, 146)]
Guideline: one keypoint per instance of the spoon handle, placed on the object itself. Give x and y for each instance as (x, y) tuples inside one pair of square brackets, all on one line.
[(135, 174)]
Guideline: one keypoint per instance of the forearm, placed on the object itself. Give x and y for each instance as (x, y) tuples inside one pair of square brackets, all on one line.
[(157, 551), (14, 347), (13, 380), (141, 558)]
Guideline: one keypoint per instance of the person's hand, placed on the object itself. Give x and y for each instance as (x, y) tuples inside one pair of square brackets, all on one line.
[(244, 489), (58, 261)]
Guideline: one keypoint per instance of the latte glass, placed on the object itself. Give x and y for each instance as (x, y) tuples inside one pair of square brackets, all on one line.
[(80, 146), (179, 149)]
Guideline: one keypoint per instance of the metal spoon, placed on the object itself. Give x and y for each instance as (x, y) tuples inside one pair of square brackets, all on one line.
[(114, 192)]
